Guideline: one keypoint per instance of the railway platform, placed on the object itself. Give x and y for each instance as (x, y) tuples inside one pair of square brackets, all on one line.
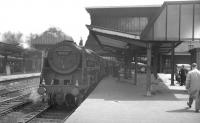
[(18, 76), (121, 101)]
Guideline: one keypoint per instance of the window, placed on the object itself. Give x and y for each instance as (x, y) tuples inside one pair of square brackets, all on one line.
[(67, 82), (56, 82)]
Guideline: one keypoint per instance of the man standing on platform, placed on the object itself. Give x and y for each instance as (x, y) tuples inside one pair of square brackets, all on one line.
[(193, 86), (183, 73)]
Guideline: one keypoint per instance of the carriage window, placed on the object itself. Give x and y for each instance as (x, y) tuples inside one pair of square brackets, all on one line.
[(90, 63), (67, 82), (56, 82)]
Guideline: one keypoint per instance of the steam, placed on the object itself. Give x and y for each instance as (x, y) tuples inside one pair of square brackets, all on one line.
[(34, 96), (25, 45)]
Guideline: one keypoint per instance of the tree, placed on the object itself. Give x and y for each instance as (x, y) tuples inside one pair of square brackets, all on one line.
[(52, 35), (32, 36), (57, 34), (12, 38)]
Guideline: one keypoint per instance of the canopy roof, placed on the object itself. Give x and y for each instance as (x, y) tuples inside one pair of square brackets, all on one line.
[(119, 41), (142, 11), (168, 26), (9, 49)]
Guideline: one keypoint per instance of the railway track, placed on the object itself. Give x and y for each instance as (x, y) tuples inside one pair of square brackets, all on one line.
[(9, 100), (38, 113), (30, 112), (53, 115), (24, 114), (10, 104)]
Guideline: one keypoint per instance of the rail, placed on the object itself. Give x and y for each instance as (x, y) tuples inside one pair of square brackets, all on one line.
[(9, 105), (52, 116), (32, 111), (15, 90)]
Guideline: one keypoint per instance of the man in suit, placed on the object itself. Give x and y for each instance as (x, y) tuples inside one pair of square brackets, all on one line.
[(193, 87)]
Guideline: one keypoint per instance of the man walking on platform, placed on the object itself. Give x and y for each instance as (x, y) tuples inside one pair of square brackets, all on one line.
[(193, 86)]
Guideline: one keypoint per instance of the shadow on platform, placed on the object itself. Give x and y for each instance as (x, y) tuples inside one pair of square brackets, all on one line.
[(177, 91), (182, 110), (124, 90)]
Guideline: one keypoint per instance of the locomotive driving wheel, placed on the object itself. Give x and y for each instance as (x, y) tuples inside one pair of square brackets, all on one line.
[(70, 101)]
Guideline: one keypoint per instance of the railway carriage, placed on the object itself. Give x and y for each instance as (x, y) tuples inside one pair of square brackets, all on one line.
[(69, 72)]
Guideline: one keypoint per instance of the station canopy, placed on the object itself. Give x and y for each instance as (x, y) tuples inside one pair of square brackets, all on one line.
[(162, 27), (7, 49)]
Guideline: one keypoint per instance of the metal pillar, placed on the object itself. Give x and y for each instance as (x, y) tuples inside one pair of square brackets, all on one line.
[(126, 67), (6, 65), (125, 70), (148, 76), (129, 70), (160, 59), (23, 63), (172, 65), (155, 65), (135, 73)]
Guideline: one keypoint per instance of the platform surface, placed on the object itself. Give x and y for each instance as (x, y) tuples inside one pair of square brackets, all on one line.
[(116, 101), (18, 76)]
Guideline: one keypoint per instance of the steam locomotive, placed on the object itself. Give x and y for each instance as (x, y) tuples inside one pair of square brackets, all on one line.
[(69, 71)]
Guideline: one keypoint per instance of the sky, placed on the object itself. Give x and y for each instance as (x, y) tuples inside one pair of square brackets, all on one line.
[(36, 16)]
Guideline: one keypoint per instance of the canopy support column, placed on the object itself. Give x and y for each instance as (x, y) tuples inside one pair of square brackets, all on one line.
[(126, 70), (129, 70), (161, 63), (24, 64), (135, 73), (155, 65), (148, 75), (6, 65), (172, 65)]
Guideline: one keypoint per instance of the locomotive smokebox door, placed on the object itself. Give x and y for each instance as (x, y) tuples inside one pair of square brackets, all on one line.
[(64, 58)]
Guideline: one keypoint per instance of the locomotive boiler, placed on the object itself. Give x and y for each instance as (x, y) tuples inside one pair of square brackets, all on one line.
[(68, 73)]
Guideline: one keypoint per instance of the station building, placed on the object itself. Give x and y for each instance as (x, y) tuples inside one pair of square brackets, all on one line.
[(166, 35)]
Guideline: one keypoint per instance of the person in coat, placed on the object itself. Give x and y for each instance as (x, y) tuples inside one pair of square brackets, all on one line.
[(183, 73), (193, 87)]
